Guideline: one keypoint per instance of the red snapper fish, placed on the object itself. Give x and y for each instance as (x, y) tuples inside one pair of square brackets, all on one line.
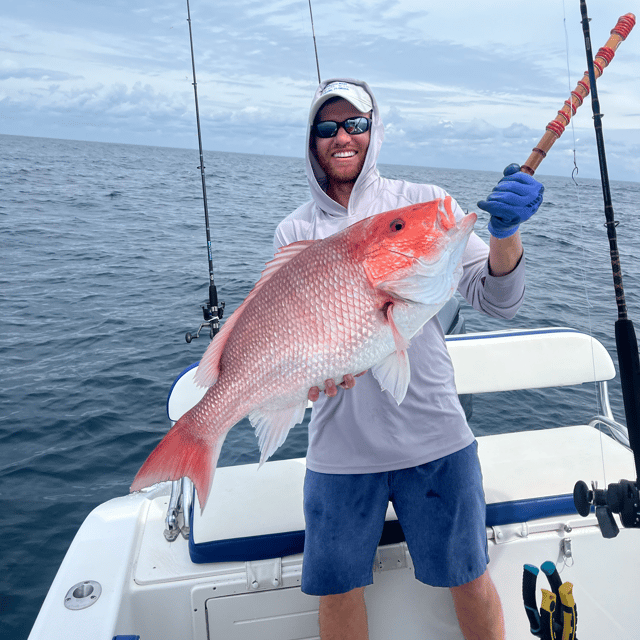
[(322, 309)]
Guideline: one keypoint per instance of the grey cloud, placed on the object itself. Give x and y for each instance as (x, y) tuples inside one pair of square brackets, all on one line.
[(36, 74), (518, 130)]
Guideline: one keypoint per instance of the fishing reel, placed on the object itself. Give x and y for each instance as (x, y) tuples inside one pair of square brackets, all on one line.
[(212, 317), (212, 314), (621, 497)]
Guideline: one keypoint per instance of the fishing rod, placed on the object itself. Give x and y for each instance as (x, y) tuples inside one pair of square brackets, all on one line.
[(621, 497), (315, 46), (212, 312), (556, 127)]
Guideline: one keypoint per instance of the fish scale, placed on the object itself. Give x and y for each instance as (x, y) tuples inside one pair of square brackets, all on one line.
[(322, 309)]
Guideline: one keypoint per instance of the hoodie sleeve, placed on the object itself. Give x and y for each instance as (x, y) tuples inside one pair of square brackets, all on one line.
[(499, 297)]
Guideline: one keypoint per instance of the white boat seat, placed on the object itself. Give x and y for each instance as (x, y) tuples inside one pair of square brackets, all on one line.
[(527, 475), (527, 359), (516, 490)]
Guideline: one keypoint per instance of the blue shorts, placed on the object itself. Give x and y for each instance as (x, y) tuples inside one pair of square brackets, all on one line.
[(440, 506)]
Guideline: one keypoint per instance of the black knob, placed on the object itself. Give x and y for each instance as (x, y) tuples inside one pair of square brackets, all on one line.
[(582, 497)]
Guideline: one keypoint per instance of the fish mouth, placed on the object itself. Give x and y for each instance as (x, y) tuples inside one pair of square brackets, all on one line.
[(458, 236), (452, 239), (466, 224)]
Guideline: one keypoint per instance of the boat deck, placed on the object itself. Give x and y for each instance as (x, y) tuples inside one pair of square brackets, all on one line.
[(121, 546)]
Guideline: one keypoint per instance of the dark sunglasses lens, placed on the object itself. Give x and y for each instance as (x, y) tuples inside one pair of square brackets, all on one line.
[(326, 129), (354, 126)]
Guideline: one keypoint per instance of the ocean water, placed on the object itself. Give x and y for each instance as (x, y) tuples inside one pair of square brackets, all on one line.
[(103, 269)]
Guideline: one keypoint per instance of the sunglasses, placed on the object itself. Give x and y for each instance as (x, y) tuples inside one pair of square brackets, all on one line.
[(353, 126)]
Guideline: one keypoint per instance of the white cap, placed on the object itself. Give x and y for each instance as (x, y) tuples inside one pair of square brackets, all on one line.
[(353, 93)]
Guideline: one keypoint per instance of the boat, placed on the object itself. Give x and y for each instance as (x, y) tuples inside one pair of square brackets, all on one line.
[(565, 558), (151, 566)]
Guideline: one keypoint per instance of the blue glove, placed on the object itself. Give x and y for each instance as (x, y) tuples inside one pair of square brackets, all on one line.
[(513, 200)]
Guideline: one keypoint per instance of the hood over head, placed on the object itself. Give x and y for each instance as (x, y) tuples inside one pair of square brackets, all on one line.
[(361, 97)]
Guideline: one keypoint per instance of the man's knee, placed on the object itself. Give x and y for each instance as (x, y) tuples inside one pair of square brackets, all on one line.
[(344, 616), (479, 589), (343, 606), (478, 609), (349, 598)]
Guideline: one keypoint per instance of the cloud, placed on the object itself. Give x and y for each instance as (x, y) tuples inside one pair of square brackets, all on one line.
[(518, 131), (46, 75), (455, 84)]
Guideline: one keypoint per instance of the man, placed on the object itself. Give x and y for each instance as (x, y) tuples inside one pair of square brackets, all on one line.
[(364, 449)]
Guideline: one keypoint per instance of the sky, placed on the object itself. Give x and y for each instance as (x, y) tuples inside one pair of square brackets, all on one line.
[(463, 85)]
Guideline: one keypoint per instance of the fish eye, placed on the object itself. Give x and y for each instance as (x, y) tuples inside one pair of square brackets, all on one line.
[(397, 225)]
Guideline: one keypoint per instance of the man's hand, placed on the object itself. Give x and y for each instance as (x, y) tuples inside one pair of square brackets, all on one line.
[(330, 388), (513, 201)]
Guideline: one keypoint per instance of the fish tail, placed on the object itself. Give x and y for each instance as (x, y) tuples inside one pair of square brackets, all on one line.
[(183, 452)]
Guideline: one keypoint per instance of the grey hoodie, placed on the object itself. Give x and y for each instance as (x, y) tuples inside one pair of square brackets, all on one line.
[(363, 430)]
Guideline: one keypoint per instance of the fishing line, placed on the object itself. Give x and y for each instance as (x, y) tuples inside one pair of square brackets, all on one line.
[(573, 131), (315, 48), (599, 402), (211, 312)]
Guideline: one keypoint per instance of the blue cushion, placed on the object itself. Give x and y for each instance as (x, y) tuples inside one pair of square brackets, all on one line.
[(288, 543)]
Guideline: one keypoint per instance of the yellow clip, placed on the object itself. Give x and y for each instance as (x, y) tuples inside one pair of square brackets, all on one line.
[(569, 614), (547, 609)]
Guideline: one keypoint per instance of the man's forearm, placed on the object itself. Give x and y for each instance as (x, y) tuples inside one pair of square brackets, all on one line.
[(504, 254)]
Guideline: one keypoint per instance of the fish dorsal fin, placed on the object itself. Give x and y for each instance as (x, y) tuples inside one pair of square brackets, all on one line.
[(394, 372), (209, 367), (273, 425), (282, 257)]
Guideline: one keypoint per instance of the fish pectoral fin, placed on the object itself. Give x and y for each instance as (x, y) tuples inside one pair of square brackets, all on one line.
[(394, 372), (273, 425)]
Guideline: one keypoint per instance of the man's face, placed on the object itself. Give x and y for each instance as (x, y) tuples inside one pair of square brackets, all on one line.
[(341, 157)]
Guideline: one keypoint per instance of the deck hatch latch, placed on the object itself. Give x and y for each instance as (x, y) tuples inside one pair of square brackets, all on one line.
[(264, 574)]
